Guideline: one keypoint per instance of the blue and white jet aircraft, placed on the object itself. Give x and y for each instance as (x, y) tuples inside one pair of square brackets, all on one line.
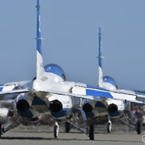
[(109, 83), (75, 103)]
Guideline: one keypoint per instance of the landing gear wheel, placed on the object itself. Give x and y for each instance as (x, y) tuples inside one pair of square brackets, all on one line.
[(67, 127), (109, 126), (91, 132), (138, 127), (56, 130)]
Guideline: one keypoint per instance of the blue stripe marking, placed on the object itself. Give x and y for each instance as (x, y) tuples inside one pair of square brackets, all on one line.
[(100, 53), (38, 29), (118, 113), (138, 93), (98, 93), (97, 99), (27, 114), (1, 89), (62, 113)]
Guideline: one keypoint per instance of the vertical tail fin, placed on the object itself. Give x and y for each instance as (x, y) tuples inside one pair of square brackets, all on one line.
[(100, 75), (39, 63)]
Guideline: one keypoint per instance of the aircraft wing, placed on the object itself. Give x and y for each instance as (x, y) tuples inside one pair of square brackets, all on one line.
[(10, 90), (89, 93), (72, 95), (11, 94), (98, 95), (131, 97), (14, 91)]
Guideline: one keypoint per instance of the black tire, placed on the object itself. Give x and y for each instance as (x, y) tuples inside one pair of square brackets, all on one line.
[(67, 127), (91, 132), (138, 127)]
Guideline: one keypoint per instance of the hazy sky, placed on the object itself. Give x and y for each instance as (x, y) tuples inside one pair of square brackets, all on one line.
[(70, 29)]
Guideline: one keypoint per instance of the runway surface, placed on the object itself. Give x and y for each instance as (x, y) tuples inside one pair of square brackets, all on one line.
[(25, 137)]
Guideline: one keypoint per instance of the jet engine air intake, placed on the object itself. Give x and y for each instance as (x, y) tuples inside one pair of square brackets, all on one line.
[(22, 105), (112, 108), (87, 107), (55, 106)]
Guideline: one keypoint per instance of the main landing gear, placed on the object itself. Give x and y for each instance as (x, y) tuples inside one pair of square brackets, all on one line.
[(56, 130), (11, 126), (67, 127), (109, 126), (91, 132)]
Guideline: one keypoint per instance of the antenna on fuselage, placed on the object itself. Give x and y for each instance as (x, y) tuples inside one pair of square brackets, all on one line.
[(39, 63)]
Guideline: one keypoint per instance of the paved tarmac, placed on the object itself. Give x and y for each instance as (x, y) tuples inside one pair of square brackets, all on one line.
[(74, 138)]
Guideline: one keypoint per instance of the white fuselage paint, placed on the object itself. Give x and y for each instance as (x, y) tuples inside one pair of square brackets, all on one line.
[(39, 64), (50, 81)]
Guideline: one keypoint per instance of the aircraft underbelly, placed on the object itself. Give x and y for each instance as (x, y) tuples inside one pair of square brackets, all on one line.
[(63, 114)]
